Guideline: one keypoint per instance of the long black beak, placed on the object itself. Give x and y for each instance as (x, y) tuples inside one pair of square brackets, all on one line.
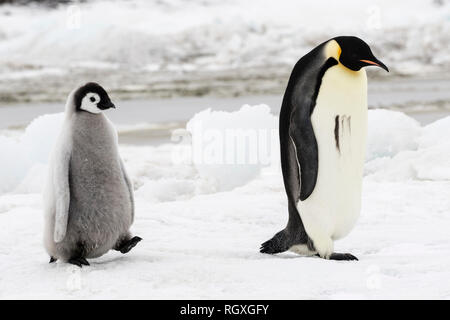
[(375, 62)]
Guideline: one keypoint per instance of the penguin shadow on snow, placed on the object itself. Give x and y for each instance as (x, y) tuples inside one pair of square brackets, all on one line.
[(292, 255), (98, 263)]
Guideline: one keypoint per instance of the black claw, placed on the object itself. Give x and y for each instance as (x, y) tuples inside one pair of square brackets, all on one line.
[(127, 246), (79, 262), (75, 262), (268, 247), (52, 259), (352, 257), (342, 257), (279, 243)]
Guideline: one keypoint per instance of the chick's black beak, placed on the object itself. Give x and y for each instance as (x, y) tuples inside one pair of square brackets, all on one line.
[(375, 62), (107, 105)]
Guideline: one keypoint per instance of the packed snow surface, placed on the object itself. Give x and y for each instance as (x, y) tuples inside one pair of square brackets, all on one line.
[(202, 222)]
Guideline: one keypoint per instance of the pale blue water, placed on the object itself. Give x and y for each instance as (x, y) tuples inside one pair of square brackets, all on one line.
[(425, 100)]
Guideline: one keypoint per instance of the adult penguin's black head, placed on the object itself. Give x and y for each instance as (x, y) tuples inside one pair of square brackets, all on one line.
[(92, 98), (356, 54)]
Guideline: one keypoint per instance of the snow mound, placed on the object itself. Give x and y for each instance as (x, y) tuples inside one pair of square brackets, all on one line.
[(24, 157), (416, 154), (224, 150), (398, 148), (390, 132), (232, 147), (41, 135), (11, 162), (436, 133), (172, 189)]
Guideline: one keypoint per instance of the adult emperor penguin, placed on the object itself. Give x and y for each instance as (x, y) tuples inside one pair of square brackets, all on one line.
[(323, 129), (89, 204)]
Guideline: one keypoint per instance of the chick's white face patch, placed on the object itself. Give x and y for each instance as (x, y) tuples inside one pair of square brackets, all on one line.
[(90, 102)]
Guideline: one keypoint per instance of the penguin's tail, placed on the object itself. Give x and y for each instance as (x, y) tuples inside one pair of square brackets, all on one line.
[(279, 243)]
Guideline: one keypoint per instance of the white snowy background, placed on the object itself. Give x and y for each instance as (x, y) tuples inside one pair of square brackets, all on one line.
[(177, 47), (203, 223)]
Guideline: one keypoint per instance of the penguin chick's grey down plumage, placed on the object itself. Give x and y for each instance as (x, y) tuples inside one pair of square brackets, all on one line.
[(89, 204)]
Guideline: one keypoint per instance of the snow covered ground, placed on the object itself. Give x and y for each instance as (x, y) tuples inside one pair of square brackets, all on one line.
[(176, 47), (202, 228)]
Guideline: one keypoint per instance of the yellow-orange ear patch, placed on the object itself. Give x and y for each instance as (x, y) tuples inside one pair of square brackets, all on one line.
[(333, 49)]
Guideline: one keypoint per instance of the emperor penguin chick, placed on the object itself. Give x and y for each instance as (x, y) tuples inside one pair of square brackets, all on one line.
[(89, 203)]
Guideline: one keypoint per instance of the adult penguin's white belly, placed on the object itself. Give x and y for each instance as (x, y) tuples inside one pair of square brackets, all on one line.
[(339, 121)]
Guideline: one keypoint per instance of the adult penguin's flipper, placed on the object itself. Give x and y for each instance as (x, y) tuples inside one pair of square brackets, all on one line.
[(306, 153)]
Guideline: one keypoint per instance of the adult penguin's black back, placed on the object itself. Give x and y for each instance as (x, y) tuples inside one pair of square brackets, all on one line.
[(325, 75)]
